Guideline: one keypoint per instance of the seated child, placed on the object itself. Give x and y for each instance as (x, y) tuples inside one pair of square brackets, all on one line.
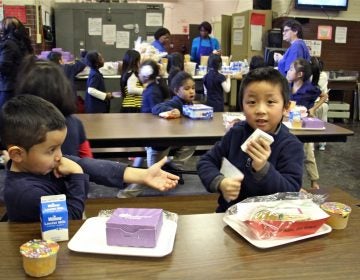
[(321, 106), (183, 85), (47, 80), (153, 94), (267, 169), (33, 131), (305, 91)]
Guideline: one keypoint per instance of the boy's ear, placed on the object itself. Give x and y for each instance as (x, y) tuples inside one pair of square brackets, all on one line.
[(16, 153)]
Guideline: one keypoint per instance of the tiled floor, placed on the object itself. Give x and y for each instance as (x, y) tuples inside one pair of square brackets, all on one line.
[(338, 167)]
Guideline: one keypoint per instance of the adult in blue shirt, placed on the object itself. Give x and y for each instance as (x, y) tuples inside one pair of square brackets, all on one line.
[(292, 33), (204, 45), (162, 38)]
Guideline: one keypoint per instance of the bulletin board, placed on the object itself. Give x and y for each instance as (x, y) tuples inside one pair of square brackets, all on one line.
[(336, 55), (15, 11), (109, 28)]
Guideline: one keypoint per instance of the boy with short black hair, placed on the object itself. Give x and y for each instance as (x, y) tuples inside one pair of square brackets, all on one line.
[(33, 131), (267, 169)]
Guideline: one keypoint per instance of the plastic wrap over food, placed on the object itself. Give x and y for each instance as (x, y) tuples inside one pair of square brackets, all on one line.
[(147, 51), (280, 215)]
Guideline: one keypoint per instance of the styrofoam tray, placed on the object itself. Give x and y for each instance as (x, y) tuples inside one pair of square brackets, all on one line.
[(91, 238), (288, 124), (245, 232)]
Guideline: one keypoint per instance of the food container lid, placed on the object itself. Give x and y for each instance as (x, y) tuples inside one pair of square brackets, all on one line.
[(336, 208), (38, 248)]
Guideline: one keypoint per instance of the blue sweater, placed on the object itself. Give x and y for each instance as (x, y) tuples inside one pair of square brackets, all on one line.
[(157, 45), (215, 93), (22, 191), (210, 43), (297, 49), (151, 96), (75, 136), (283, 171), (93, 104), (175, 103), (306, 95)]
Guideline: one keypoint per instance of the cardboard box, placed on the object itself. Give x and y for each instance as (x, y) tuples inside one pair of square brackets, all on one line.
[(198, 111), (134, 227), (54, 218)]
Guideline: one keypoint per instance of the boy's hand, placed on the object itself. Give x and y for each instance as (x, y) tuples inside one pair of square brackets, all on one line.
[(153, 177), (67, 167), (159, 179), (259, 151), (230, 188)]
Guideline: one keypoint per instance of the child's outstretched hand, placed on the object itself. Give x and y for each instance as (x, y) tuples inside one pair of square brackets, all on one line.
[(67, 167), (259, 151), (172, 114), (159, 179), (153, 177), (230, 188)]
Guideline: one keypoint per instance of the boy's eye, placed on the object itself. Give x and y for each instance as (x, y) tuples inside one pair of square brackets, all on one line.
[(250, 102), (51, 151)]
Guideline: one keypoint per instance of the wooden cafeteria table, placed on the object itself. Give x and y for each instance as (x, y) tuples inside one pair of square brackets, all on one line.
[(141, 130), (205, 248)]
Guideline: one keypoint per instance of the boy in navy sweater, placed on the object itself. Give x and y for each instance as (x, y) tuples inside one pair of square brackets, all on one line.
[(33, 131), (267, 169)]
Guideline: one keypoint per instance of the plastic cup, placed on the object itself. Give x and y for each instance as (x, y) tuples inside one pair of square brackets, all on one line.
[(339, 214), (204, 60), (186, 57), (190, 67)]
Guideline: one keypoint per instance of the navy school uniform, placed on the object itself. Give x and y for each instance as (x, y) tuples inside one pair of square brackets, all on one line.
[(174, 103), (306, 95), (215, 94), (282, 173), (22, 191), (71, 70), (93, 104), (152, 95), (75, 136)]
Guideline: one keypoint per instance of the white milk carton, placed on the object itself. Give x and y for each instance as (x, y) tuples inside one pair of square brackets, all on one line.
[(54, 218)]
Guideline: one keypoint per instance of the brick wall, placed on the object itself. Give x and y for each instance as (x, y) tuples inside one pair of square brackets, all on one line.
[(180, 43)]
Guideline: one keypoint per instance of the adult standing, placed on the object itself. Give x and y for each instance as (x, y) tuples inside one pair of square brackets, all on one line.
[(162, 38), (204, 45), (14, 46), (293, 34)]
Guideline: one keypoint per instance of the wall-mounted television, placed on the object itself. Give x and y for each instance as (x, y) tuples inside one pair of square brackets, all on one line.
[(331, 5)]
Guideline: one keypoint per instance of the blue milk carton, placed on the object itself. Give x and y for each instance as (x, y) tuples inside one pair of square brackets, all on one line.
[(54, 218)]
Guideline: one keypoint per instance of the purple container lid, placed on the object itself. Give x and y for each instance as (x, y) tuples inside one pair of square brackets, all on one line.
[(144, 217)]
